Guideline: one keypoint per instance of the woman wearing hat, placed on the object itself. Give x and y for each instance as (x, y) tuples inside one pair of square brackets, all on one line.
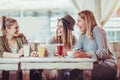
[(64, 36), (64, 33)]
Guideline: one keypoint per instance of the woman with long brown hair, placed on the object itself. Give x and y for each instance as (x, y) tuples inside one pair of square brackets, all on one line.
[(64, 33), (63, 36)]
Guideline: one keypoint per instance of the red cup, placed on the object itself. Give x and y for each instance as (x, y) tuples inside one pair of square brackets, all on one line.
[(60, 49)]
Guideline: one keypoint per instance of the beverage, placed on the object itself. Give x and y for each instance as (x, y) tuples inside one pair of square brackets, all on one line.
[(41, 50), (26, 49), (60, 49), (70, 53), (51, 49)]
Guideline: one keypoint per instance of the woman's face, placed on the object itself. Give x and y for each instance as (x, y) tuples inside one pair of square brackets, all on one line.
[(81, 24), (13, 30), (60, 28)]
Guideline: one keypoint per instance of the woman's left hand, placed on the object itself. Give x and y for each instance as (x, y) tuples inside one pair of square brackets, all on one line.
[(81, 54)]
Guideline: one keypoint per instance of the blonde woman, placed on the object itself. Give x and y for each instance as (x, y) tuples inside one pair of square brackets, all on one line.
[(11, 42), (92, 43)]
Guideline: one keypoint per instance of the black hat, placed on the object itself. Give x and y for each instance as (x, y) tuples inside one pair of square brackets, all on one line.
[(69, 21)]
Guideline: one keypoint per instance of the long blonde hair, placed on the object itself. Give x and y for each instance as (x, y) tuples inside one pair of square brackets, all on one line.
[(68, 39), (6, 23), (90, 22)]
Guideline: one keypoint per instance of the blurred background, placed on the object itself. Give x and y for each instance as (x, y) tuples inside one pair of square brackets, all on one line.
[(38, 18)]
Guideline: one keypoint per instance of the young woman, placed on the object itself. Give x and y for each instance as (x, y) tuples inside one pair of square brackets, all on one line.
[(64, 33), (92, 43), (11, 45), (63, 36), (11, 42)]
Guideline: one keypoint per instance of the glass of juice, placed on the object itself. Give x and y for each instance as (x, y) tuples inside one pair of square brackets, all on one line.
[(41, 50), (60, 49)]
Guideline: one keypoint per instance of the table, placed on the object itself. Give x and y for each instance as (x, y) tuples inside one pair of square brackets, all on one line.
[(10, 64), (56, 63), (28, 63)]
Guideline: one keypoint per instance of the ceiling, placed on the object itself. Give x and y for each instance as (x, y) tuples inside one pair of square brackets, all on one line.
[(35, 4)]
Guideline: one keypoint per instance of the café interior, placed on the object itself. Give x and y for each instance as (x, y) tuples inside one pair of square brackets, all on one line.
[(37, 19)]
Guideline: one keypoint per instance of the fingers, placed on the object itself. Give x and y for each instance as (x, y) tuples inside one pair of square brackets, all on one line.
[(78, 54), (46, 53), (81, 54), (34, 54)]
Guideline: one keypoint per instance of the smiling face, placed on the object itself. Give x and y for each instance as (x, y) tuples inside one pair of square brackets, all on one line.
[(13, 29), (60, 28), (81, 24)]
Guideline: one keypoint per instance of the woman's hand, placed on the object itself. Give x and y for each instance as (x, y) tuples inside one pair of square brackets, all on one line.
[(34, 54), (21, 52), (81, 54), (46, 52), (63, 54)]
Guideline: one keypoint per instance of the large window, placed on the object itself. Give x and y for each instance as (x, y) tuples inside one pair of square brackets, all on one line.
[(112, 28)]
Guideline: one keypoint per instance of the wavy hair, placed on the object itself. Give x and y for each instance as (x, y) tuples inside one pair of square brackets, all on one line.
[(68, 39), (90, 22), (6, 23)]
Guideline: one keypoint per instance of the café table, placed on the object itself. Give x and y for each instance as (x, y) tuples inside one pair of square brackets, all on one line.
[(10, 64), (56, 63)]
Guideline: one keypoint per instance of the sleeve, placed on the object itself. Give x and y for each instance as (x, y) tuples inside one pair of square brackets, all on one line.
[(101, 41), (1, 48), (24, 39), (79, 44), (50, 40)]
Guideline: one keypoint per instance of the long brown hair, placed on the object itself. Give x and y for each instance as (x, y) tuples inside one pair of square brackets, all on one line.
[(90, 22), (6, 23), (68, 39)]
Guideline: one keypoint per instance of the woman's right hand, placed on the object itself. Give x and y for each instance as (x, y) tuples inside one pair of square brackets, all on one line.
[(34, 54), (21, 52)]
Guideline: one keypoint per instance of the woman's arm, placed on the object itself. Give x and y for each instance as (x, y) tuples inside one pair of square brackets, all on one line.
[(8, 54), (101, 41), (51, 40), (81, 54), (79, 44)]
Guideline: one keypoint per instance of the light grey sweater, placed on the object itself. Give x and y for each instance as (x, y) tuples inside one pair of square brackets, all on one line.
[(97, 47)]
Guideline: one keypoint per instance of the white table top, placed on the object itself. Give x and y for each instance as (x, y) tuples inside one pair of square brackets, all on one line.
[(55, 59), (40, 63), (45, 59), (9, 60)]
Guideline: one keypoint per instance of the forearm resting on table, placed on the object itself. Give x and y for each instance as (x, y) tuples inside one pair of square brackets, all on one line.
[(88, 54), (8, 54), (81, 54)]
